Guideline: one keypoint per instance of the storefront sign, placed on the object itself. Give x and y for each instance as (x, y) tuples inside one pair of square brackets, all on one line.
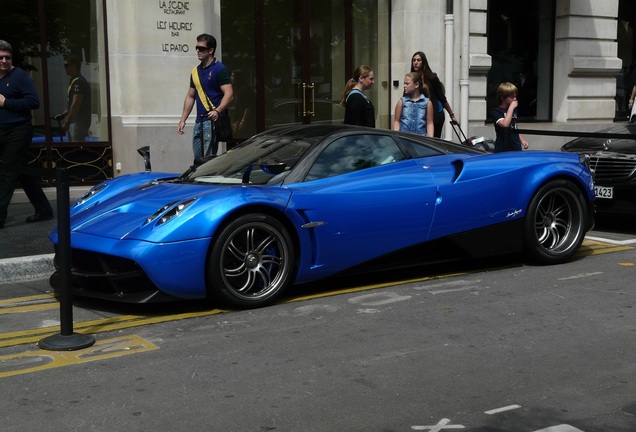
[(174, 28)]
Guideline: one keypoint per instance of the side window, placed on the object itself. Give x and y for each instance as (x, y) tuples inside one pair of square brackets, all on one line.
[(420, 150), (352, 153)]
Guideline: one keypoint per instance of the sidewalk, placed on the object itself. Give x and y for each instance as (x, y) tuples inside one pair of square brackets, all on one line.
[(26, 251)]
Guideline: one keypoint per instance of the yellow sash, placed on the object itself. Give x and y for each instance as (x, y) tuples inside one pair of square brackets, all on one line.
[(70, 86), (205, 100)]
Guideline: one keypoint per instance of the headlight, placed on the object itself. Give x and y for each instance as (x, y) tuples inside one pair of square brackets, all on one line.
[(584, 159), (169, 211), (91, 193)]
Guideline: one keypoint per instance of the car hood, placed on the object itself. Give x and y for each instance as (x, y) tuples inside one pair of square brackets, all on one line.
[(136, 213), (613, 145)]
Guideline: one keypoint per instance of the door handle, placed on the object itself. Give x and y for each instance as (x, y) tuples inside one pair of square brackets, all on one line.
[(304, 96), (305, 89), (312, 87)]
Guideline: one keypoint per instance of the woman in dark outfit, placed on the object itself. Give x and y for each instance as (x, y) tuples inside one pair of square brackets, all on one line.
[(358, 108), (419, 63)]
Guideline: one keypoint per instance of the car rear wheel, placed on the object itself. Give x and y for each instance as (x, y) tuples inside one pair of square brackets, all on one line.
[(555, 222), (252, 262)]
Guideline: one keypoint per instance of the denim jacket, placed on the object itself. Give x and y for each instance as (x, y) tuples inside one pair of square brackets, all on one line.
[(413, 118)]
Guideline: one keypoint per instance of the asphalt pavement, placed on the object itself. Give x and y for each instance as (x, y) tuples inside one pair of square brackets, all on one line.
[(516, 348)]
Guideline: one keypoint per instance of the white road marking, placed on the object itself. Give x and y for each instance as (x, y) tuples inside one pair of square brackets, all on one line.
[(378, 299), (450, 286), (616, 242), (468, 288), (502, 409), (442, 424), (458, 282), (560, 428), (580, 276)]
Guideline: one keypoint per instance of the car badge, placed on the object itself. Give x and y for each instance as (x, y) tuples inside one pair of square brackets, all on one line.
[(606, 144)]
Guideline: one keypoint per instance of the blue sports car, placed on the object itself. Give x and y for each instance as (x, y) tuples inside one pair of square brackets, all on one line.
[(300, 203)]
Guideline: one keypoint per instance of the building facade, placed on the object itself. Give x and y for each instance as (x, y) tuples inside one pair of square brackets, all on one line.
[(291, 58)]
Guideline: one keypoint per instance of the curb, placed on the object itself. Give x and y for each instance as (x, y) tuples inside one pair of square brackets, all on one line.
[(30, 267)]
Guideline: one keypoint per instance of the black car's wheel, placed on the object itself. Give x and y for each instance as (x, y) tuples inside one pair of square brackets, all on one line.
[(555, 222), (252, 262)]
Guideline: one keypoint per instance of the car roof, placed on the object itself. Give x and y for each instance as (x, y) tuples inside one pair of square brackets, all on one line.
[(315, 131), (319, 131)]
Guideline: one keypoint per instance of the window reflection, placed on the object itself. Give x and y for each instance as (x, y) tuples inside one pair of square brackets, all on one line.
[(353, 153), (76, 94)]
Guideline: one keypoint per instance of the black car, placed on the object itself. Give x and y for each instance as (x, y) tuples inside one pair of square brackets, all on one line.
[(613, 161)]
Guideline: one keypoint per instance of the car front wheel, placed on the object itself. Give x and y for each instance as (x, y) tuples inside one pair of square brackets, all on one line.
[(555, 222), (251, 262)]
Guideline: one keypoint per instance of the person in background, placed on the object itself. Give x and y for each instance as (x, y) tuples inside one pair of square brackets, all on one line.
[(18, 97), (244, 122), (505, 120), (414, 111), (77, 116), (630, 105), (419, 63), (216, 85), (527, 86), (358, 108)]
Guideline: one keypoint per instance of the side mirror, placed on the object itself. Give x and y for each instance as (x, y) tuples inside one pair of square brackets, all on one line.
[(273, 167), (145, 153), (268, 167)]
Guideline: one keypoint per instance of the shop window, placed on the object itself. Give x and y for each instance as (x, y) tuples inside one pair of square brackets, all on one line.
[(74, 33)]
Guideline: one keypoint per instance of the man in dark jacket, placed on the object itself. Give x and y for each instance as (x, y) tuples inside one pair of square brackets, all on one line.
[(18, 97)]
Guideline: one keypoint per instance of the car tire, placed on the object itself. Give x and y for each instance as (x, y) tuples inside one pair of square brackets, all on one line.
[(555, 223), (251, 262)]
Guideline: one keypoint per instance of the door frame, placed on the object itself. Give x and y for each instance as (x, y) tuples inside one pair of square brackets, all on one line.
[(305, 20)]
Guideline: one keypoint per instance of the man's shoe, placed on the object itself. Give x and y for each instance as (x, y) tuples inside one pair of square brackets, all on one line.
[(39, 218)]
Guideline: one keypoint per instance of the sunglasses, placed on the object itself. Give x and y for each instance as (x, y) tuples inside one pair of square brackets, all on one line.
[(202, 48), (5, 57)]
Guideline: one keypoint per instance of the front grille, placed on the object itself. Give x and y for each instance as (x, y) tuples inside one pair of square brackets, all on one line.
[(106, 274), (86, 262), (618, 168)]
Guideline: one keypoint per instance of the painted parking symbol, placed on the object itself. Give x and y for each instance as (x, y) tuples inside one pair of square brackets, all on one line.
[(33, 361)]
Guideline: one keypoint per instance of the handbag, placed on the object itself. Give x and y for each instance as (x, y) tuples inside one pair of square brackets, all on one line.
[(223, 127)]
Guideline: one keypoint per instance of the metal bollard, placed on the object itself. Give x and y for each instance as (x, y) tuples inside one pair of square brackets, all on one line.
[(66, 340)]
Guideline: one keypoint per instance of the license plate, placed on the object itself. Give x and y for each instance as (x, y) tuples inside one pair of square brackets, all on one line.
[(604, 192)]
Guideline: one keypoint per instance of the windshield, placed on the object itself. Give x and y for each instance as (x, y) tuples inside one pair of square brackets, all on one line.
[(258, 153)]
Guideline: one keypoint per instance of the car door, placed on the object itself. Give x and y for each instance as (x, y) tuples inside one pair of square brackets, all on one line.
[(361, 199)]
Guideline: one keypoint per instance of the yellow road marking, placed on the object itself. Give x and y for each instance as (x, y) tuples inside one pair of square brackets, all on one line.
[(372, 287), (27, 299), (595, 247), (32, 361), (96, 326), (31, 308)]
